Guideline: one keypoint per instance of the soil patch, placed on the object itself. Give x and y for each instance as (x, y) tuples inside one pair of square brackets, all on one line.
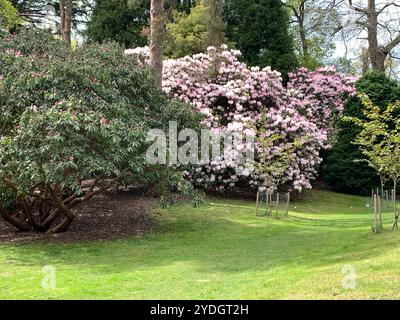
[(108, 216)]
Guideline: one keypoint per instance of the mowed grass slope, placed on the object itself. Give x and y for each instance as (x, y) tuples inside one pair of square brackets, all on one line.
[(221, 251)]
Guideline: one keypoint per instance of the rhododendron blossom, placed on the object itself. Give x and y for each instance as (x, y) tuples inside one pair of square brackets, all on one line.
[(322, 94), (233, 97)]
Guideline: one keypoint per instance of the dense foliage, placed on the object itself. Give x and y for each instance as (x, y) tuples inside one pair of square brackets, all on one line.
[(123, 21), (342, 170), (379, 141), (73, 124), (291, 125), (8, 15), (259, 29), (192, 33)]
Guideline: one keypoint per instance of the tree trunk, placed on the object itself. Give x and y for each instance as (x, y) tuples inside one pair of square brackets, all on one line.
[(383, 182), (66, 19), (376, 53), (215, 36), (46, 205), (304, 44), (378, 63), (20, 225), (303, 37), (157, 27), (365, 61)]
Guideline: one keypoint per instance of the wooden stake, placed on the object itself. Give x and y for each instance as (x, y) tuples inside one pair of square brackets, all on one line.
[(277, 203), (269, 208), (258, 194), (380, 214), (375, 210), (396, 217), (287, 204)]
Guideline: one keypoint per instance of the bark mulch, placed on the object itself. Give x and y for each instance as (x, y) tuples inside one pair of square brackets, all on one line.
[(109, 216)]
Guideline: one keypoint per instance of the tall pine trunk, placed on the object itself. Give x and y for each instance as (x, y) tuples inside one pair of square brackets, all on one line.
[(157, 28), (66, 19), (216, 35)]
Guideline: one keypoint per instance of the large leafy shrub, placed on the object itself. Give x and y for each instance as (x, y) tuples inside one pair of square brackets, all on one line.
[(344, 170), (72, 124), (292, 125)]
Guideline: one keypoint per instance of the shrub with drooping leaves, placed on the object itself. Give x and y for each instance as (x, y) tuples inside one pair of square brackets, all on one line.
[(73, 124)]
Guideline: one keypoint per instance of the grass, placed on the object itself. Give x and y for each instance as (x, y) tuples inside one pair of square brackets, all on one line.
[(220, 251)]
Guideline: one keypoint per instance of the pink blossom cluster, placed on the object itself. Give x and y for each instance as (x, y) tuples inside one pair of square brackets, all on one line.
[(321, 94), (16, 54), (142, 54), (234, 97)]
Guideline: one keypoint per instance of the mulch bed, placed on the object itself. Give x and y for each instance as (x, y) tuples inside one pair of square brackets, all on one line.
[(109, 216)]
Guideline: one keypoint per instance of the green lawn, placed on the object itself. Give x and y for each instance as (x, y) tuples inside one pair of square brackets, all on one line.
[(220, 251)]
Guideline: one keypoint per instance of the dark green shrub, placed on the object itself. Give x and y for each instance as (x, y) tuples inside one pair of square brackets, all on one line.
[(341, 172), (72, 124), (123, 21)]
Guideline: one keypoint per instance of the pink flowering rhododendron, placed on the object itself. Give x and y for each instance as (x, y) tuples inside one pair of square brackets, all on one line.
[(233, 96), (321, 94)]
